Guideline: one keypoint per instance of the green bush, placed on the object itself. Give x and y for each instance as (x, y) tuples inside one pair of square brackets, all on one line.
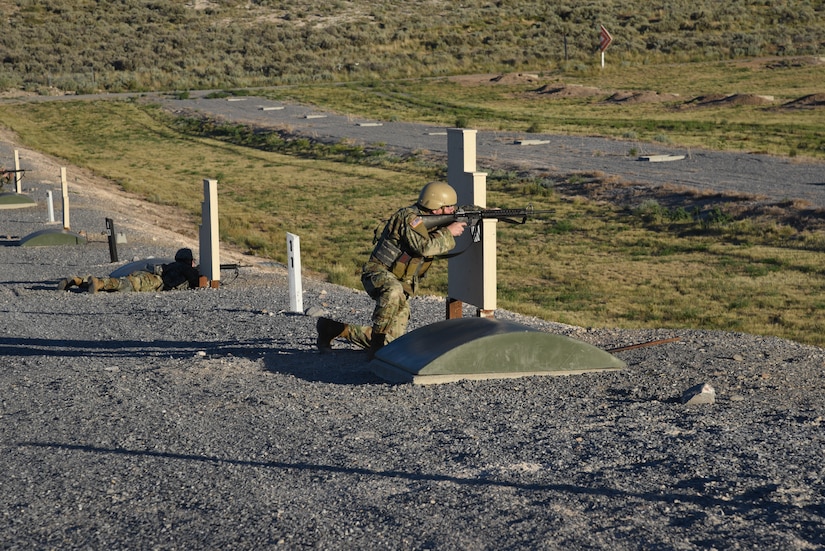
[(168, 44)]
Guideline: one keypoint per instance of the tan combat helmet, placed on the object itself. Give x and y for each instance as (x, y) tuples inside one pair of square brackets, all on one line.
[(436, 195)]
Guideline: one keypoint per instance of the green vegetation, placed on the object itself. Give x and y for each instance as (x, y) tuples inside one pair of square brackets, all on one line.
[(592, 265), (131, 45)]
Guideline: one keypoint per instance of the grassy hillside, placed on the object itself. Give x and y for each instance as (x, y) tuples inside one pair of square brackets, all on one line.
[(117, 45)]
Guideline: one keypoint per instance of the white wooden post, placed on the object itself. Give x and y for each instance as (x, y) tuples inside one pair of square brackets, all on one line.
[(18, 176), (471, 275), (296, 291), (210, 264), (65, 187)]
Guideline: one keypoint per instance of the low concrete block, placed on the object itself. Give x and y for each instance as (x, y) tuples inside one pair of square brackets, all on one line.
[(532, 142), (661, 158)]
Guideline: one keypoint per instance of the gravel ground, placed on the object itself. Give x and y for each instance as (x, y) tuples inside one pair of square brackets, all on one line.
[(205, 419)]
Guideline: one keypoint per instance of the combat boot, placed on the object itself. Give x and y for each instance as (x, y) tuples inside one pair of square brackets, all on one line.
[(68, 283), (94, 285), (327, 331), (377, 342)]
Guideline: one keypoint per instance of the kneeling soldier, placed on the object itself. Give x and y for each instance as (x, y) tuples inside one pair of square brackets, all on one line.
[(402, 255)]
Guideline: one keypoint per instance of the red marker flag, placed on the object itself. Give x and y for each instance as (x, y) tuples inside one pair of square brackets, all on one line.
[(604, 39)]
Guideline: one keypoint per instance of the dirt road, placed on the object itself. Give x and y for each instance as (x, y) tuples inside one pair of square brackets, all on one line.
[(774, 178)]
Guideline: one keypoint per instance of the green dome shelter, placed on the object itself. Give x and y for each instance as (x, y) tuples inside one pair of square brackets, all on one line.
[(485, 348)]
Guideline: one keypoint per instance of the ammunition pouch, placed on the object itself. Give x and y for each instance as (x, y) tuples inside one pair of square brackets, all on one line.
[(405, 267), (386, 253)]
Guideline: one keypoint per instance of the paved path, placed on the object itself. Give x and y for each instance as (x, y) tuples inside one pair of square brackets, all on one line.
[(772, 177)]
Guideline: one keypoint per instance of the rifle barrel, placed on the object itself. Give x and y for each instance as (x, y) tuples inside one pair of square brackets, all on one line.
[(505, 215)]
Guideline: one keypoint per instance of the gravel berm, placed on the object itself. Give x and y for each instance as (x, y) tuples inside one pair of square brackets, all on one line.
[(207, 420)]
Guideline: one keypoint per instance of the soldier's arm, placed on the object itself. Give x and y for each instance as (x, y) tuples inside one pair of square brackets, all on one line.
[(424, 243)]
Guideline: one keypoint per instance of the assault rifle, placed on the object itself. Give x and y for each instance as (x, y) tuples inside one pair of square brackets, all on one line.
[(473, 215), (6, 174)]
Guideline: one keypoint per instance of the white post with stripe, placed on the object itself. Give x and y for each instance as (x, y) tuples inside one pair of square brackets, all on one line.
[(296, 291)]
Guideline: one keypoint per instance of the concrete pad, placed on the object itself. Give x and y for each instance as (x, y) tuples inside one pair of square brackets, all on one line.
[(16, 201), (369, 124), (661, 158), (485, 348), (532, 142), (52, 237)]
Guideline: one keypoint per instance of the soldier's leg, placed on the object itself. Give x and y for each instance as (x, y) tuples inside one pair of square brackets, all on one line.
[(109, 284), (146, 282), (329, 330), (391, 314), (399, 322), (360, 335), (69, 282)]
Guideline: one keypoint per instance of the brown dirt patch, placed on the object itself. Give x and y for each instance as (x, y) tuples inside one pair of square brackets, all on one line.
[(811, 101), (642, 97), (568, 91), (722, 100), (496, 78), (787, 63)]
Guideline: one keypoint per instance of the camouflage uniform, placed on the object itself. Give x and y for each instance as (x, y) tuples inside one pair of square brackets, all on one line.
[(402, 255), (171, 276), (136, 281)]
